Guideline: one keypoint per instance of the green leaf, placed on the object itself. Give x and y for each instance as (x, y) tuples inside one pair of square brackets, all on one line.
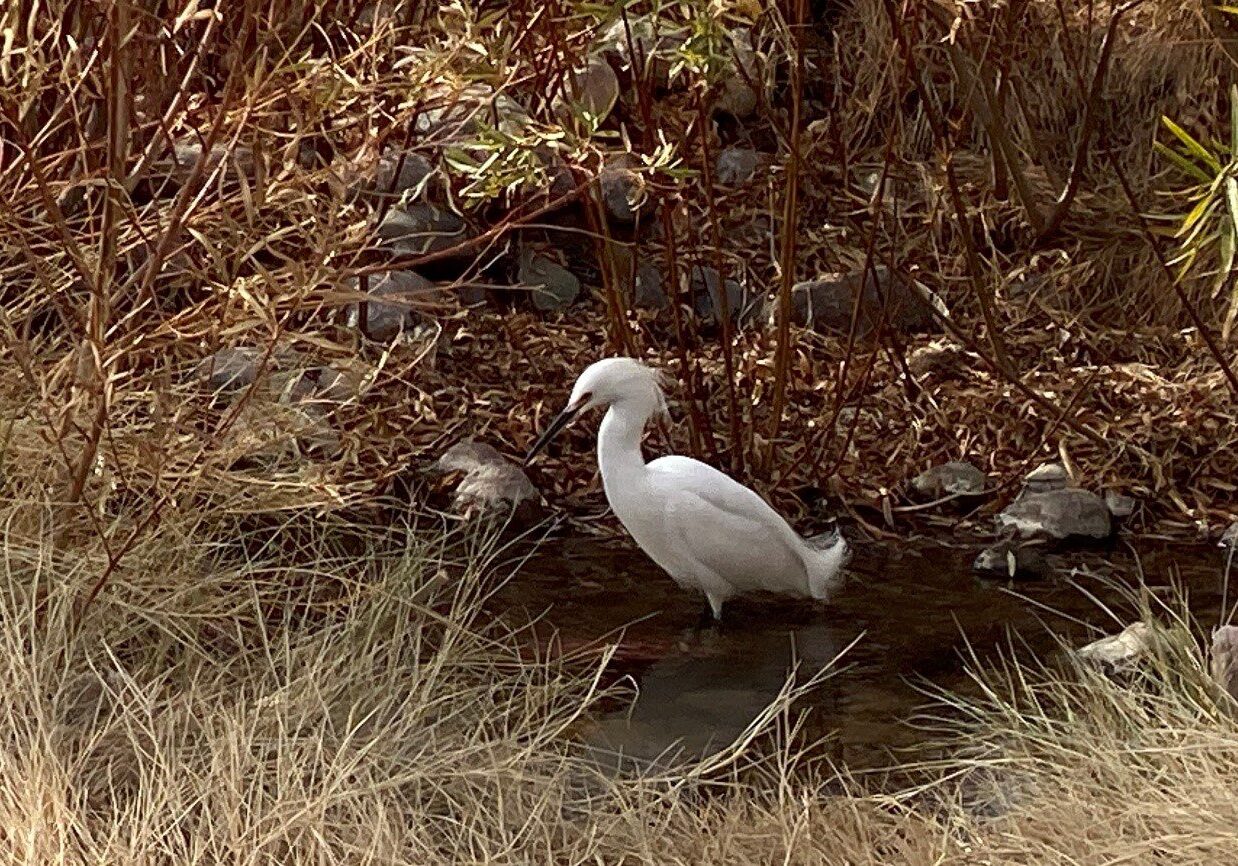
[(1196, 216), (1188, 259), (1193, 146), (1183, 164)]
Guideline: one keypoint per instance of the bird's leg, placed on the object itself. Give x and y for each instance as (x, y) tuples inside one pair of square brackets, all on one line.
[(711, 615), (707, 618)]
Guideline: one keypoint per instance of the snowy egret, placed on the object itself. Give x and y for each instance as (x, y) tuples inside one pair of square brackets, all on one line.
[(706, 530)]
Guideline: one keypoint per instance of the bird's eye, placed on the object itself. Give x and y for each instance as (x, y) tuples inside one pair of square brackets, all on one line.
[(584, 399)]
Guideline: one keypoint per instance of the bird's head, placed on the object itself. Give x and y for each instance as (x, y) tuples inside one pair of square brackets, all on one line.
[(610, 381)]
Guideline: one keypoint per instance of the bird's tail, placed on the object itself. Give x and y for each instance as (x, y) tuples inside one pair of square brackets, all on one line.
[(828, 554)]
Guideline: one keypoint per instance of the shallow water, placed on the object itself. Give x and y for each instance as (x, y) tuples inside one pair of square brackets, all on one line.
[(914, 614)]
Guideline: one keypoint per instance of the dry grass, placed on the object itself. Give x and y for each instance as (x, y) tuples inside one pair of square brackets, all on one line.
[(232, 700)]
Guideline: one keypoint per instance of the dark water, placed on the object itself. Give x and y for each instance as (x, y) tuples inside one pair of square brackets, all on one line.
[(914, 613)]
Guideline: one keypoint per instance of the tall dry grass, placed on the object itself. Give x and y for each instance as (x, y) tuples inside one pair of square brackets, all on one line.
[(230, 699), (232, 702)]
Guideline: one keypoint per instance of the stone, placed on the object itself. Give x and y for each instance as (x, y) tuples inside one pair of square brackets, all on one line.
[(1223, 659), (706, 288), (553, 286), (736, 94), (559, 180), (959, 478), (1229, 538), (1012, 562), (938, 362), (277, 376), (230, 370), (988, 791), (737, 165), (420, 229), (470, 294), (592, 87), (344, 381), (386, 320), (652, 41), (826, 303), (897, 194), (186, 154), (1047, 476), (1122, 651), (456, 116), (468, 455), (1062, 514), (622, 189), (401, 174), (282, 424), (648, 292), (1119, 505), (491, 485)]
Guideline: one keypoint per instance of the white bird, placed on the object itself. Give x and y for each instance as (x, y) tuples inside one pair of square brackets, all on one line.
[(706, 530)]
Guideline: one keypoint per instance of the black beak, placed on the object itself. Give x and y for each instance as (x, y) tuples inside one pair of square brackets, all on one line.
[(562, 420)]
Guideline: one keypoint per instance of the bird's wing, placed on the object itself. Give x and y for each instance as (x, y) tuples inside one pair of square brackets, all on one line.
[(727, 528)]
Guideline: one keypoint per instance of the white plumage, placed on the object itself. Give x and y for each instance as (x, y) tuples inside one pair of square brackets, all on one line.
[(706, 530)]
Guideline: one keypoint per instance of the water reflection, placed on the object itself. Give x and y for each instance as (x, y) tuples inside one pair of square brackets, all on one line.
[(699, 699), (919, 609)]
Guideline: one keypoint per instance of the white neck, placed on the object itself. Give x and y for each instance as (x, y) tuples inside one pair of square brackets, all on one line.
[(619, 452)]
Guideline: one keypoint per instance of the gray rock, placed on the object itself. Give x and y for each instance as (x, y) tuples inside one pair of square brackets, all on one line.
[(938, 362), (468, 455), (1047, 476), (230, 370), (988, 791), (175, 170), (706, 288), (385, 320), (1119, 505), (897, 194), (471, 294), (492, 485), (420, 229), (1229, 538), (958, 477), (653, 42), (592, 87), (1012, 562), (1223, 659), (554, 286), (826, 303), (649, 292), (344, 380), (559, 180), (737, 165), (457, 116), (399, 174), (1063, 513), (622, 189), (736, 95), (1120, 652)]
